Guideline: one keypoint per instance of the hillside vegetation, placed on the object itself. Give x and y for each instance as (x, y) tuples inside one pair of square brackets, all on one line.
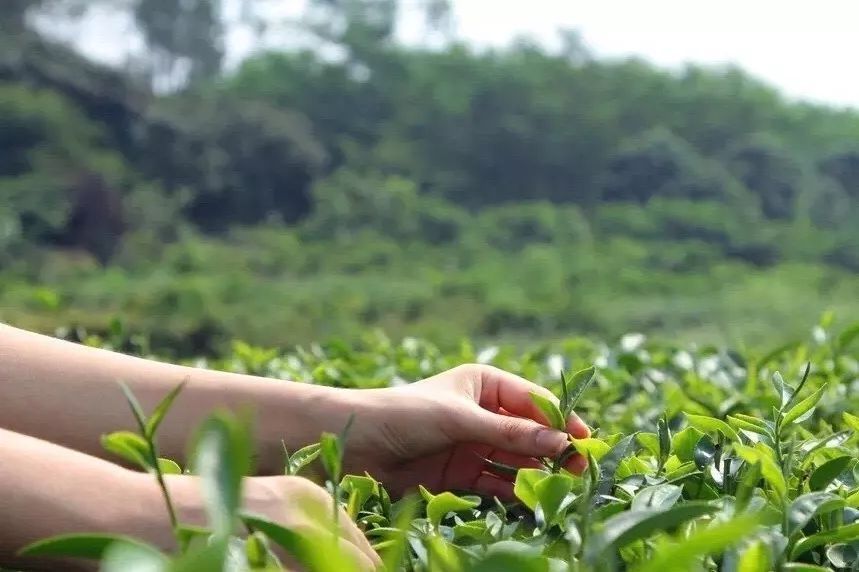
[(353, 182)]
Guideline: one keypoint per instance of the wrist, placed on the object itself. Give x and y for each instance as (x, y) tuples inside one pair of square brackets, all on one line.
[(298, 413)]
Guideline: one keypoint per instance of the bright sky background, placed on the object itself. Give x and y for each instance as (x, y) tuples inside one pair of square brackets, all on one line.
[(808, 49)]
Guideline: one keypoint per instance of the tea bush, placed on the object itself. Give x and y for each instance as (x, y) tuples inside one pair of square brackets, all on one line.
[(701, 458)]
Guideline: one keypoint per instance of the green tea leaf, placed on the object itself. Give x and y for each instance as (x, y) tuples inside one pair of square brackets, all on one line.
[(501, 468), (851, 420), (759, 428), (756, 558), (359, 490), (591, 445), (129, 446), (664, 434), (136, 410), (331, 451), (565, 395), (169, 467), (807, 506), (161, 410), (843, 555), (712, 425), (650, 442), (302, 547), (803, 407), (681, 472), (256, 550), (611, 460), (683, 443), (626, 527), (803, 567), (438, 506), (525, 486), (504, 560), (784, 391), (681, 555), (222, 458), (552, 495), (211, 556), (87, 546), (187, 533), (847, 533), (747, 485), (133, 557), (577, 385), (769, 469), (656, 497), (550, 411), (705, 452), (828, 471), (302, 458)]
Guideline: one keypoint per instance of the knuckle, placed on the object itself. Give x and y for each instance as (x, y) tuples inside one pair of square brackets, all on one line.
[(511, 429)]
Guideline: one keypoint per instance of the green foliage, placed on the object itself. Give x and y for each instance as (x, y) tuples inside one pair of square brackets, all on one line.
[(767, 482), (354, 183)]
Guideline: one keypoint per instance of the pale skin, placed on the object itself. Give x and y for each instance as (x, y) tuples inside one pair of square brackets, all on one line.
[(58, 398)]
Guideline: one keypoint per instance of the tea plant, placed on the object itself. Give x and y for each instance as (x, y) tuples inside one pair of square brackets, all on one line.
[(699, 459)]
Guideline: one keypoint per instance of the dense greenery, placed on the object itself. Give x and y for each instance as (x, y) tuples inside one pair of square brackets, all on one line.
[(352, 181), (700, 459)]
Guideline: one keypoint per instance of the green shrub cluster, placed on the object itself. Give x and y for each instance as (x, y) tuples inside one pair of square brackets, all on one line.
[(700, 459)]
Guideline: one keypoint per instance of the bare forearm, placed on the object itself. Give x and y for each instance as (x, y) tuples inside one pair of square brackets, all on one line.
[(69, 394), (49, 490)]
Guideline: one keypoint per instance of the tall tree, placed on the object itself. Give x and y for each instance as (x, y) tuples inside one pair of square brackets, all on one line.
[(184, 39)]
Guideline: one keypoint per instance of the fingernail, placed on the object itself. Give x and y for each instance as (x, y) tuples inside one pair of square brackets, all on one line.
[(551, 441)]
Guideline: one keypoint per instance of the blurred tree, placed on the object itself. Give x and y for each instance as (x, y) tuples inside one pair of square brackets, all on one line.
[(56, 173), (347, 203), (244, 161), (184, 38), (771, 171), (657, 163), (843, 166), (515, 226)]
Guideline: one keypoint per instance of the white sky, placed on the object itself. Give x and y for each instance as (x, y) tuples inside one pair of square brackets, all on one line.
[(809, 49)]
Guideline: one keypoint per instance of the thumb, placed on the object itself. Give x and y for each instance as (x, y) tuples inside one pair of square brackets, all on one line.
[(512, 434)]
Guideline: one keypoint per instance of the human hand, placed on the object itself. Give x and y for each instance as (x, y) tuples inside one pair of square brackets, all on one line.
[(434, 432), (292, 502)]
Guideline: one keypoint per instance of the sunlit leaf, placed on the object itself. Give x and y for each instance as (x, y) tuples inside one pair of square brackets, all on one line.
[(161, 410), (301, 458), (576, 387), (712, 425), (803, 407), (711, 539), (86, 546), (129, 446), (683, 443), (591, 445), (756, 558), (550, 411), (552, 494), (629, 526), (847, 533), (805, 507), (769, 469), (658, 497), (222, 458), (438, 506), (828, 471)]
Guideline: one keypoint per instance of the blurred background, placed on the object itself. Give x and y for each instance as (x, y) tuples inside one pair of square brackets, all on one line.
[(282, 172)]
